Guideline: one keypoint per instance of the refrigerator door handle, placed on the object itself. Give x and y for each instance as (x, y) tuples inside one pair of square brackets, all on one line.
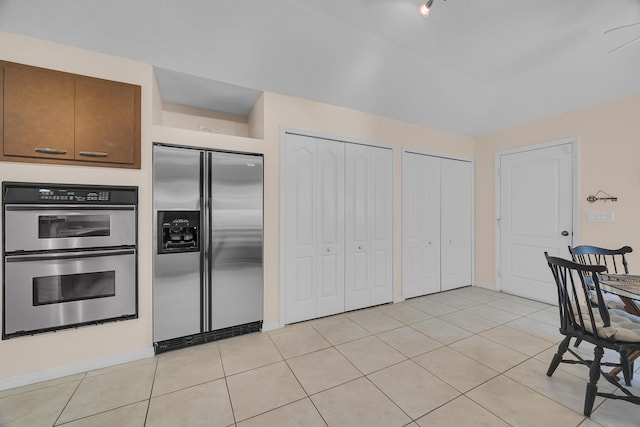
[(204, 241)]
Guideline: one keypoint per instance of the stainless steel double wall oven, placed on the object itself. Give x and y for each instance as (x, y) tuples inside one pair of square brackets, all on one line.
[(69, 256)]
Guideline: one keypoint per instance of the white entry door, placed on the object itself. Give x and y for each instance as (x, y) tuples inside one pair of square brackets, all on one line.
[(535, 215)]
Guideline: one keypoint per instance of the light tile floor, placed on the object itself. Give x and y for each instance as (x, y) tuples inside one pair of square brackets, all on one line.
[(468, 357)]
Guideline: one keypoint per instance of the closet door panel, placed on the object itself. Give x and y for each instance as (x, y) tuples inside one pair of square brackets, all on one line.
[(330, 231), (414, 194), (357, 290), (300, 232), (456, 224), (381, 224)]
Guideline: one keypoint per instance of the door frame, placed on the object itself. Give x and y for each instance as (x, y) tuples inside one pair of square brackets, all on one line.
[(471, 160), (395, 197), (575, 202)]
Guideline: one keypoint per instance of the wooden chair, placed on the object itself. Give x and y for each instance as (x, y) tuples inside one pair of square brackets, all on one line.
[(603, 327), (613, 259)]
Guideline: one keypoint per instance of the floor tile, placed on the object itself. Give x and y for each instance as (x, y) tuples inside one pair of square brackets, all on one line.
[(412, 388), (187, 367), (408, 341), (478, 294), (537, 329), (203, 405), (461, 412), (455, 369), (549, 316), (616, 413), (522, 407), (248, 352), (370, 354), (433, 307), (297, 414), (358, 403), (126, 416), (109, 391), (135, 364), (516, 340), (405, 313), (469, 321), (339, 329), (453, 300), (489, 353), (42, 384), (441, 331), (513, 306), (322, 369), (263, 389), (296, 340), (375, 321), (526, 301), (493, 313), (40, 407), (562, 387)]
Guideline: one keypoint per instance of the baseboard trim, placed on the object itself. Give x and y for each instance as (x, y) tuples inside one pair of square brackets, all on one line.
[(485, 286), (270, 326), (76, 368)]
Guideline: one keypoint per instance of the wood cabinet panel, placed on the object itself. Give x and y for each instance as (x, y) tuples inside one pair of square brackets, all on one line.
[(105, 121), (38, 112), (55, 117)]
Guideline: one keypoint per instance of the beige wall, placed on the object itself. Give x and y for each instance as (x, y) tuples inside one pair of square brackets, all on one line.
[(609, 141), (120, 340), (87, 347)]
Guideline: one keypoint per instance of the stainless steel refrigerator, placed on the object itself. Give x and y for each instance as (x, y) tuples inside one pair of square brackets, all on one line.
[(207, 263)]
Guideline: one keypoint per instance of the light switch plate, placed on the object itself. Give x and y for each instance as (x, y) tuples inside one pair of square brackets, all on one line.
[(600, 216)]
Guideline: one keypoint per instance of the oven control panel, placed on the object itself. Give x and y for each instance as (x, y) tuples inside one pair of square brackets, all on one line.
[(49, 194), (54, 194)]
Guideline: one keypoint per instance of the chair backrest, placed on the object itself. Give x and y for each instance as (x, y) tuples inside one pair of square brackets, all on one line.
[(578, 314), (613, 259)]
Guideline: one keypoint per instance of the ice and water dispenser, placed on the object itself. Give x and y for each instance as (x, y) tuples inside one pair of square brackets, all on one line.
[(179, 231)]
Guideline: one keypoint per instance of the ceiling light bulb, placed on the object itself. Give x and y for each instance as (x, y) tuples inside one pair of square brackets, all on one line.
[(425, 8)]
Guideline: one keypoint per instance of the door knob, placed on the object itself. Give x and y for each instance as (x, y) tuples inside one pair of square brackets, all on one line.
[(359, 247), (565, 233), (328, 250)]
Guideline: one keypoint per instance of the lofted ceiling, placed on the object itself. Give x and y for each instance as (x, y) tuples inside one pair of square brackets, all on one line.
[(472, 67)]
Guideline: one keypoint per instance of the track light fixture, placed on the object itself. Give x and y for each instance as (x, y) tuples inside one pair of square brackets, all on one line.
[(425, 8)]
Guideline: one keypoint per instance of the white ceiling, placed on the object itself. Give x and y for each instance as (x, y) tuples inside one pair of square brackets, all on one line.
[(472, 67)]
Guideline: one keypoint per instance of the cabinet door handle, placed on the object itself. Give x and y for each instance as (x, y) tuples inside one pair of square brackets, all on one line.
[(93, 154), (48, 150)]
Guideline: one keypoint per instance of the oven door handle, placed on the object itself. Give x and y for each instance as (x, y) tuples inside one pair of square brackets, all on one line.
[(68, 255)]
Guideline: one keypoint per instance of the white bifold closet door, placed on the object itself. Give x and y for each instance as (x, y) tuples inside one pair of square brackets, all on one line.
[(368, 226), (420, 225), (313, 227), (456, 209), (436, 224)]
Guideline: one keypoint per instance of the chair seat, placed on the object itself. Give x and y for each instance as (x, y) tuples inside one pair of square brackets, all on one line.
[(624, 326), (611, 301)]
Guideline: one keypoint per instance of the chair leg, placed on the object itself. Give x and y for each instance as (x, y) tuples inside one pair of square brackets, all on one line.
[(557, 358), (577, 343), (592, 386), (627, 367)]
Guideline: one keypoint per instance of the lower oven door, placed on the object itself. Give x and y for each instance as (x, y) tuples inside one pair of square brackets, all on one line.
[(54, 291)]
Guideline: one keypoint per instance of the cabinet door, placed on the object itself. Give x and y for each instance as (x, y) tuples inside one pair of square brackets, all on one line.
[(368, 242), (314, 227), (106, 125), (456, 223), (420, 225), (38, 112)]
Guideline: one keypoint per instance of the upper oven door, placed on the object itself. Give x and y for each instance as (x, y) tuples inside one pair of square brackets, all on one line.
[(42, 227)]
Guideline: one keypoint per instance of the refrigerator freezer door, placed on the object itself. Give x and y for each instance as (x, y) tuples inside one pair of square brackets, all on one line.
[(177, 304), (236, 239)]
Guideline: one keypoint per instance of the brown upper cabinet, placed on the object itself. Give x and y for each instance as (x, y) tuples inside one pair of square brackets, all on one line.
[(55, 117)]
